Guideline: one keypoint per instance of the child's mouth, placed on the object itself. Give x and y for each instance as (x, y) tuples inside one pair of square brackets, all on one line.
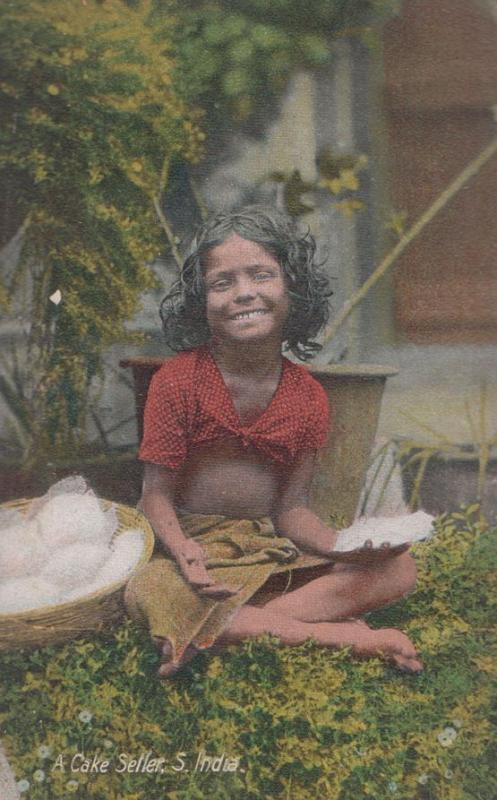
[(250, 314)]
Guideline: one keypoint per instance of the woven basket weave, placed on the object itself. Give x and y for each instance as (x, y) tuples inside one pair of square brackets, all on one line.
[(80, 617)]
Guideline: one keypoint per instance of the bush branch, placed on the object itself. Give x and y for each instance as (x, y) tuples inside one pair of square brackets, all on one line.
[(452, 189)]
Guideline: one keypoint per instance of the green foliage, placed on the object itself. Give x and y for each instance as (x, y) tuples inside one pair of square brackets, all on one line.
[(337, 175), (305, 722), (234, 55), (90, 121), (326, 17)]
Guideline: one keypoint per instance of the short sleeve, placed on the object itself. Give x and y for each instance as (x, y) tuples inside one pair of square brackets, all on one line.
[(165, 422), (318, 426)]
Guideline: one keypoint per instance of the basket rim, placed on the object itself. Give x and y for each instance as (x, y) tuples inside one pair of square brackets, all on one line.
[(33, 614)]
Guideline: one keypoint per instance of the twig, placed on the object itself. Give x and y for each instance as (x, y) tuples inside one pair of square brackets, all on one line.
[(484, 452), (101, 430), (201, 205), (439, 437), (416, 491), (379, 459), (452, 189), (120, 424), (162, 217), (472, 428), (168, 231)]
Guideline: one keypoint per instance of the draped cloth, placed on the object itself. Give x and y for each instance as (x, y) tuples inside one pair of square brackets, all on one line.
[(189, 404), (241, 553)]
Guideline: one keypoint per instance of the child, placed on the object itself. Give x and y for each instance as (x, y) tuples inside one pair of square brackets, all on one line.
[(232, 429)]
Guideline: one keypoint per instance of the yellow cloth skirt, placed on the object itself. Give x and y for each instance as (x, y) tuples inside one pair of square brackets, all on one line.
[(241, 553)]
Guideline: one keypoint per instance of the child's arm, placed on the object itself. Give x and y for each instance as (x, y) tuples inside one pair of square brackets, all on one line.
[(296, 521), (157, 503)]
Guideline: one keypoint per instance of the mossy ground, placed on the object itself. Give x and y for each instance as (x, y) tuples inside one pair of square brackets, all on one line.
[(305, 722)]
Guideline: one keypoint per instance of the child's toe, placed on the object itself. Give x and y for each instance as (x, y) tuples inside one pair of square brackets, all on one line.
[(411, 665)]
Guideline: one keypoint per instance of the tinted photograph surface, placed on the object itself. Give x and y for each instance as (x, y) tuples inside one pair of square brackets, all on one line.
[(248, 404)]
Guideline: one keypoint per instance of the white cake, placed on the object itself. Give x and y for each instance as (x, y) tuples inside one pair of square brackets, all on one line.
[(404, 529)]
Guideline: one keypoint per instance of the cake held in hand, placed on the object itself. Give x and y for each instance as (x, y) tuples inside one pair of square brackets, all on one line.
[(397, 531)]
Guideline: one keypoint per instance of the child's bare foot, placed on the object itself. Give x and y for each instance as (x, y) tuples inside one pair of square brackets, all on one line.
[(389, 642), (168, 667), (394, 645)]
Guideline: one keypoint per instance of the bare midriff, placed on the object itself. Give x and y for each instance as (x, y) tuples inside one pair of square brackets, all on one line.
[(229, 479)]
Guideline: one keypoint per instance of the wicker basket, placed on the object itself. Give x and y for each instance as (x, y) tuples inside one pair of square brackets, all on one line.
[(80, 617)]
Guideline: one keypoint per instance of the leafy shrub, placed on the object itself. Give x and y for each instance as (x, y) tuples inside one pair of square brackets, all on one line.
[(91, 121)]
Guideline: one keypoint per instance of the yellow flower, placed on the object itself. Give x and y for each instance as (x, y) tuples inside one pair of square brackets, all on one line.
[(96, 175), (53, 89), (215, 668), (349, 180), (486, 664), (349, 207)]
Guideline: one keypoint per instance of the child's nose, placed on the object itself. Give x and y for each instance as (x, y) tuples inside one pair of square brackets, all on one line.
[(244, 290)]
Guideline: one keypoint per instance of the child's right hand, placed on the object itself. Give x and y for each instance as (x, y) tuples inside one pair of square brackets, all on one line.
[(191, 559), (367, 554)]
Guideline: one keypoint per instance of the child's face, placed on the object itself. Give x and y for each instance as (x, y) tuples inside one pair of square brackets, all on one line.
[(247, 298)]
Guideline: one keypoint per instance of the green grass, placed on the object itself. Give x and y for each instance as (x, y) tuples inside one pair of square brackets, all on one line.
[(304, 722)]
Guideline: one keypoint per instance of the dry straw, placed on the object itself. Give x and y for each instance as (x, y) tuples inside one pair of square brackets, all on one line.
[(84, 616)]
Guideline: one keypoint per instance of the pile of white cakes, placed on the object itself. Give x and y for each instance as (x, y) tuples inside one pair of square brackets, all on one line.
[(62, 549), (396, 531)]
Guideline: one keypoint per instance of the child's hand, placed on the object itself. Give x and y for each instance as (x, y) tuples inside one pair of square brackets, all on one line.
[(367, 554), (191, 561)]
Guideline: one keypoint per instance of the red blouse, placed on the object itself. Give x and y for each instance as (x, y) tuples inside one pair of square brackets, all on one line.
[(189, 404)]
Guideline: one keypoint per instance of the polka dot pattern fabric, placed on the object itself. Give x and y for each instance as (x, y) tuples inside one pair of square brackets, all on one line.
[(188, 404)]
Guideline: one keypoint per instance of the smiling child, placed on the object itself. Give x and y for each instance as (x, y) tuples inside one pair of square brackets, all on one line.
[(232, 432)]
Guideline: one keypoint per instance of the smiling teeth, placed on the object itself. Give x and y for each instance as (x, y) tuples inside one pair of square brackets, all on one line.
[(249, 314)]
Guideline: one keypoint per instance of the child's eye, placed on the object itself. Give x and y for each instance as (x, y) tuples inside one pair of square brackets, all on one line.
[(220, 285), (263, 276)]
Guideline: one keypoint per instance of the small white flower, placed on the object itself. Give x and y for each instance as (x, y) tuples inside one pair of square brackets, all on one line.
[(85, 716), (23, 785), (457, 723), (56, 297), (392, 786), (44, 751), (39, 776), (72, 786), (447, 736), (423, 778), (448, 774), (108, 743)]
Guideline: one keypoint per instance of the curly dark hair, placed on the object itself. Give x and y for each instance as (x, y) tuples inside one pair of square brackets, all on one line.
[(183, 310)]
